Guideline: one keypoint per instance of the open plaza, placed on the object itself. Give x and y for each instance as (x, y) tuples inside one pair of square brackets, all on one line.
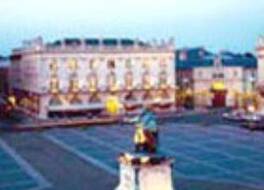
[(210, 153)]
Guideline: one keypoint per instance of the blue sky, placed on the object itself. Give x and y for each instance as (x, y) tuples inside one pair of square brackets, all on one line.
[(215, 24)]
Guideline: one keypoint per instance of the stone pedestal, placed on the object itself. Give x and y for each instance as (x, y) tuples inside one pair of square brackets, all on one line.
[(145, 172)]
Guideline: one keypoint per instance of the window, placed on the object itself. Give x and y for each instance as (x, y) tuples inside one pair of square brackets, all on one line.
[(163, 78), (92, 64), (53, 66), (218, 75), (128, 64), (162, 64), (111, 64), (73, 85), (146, 80), (129, 79), (183, 55), (145, 65), (92, 82), (200, 74), (54, 84), (235, 73), (111, 80), (73, 64)]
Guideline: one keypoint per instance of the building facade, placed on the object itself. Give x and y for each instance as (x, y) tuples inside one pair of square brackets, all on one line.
[(215, 80), (77, 75), (260, 56), (4, 73)]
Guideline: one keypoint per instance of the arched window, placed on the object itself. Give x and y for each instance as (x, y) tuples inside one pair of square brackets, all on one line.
[(54, 84), (146, 80), (129, 80), (111, 80)]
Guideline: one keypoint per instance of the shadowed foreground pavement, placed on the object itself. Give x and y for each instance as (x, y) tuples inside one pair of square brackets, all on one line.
[(65, 171)]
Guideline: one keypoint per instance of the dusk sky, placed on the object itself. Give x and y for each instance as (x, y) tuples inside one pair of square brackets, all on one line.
[(215, 24)]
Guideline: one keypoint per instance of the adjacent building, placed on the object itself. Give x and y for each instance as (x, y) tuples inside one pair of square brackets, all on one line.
[(4, 72), (75, 76), (215, 80), (260, 56)]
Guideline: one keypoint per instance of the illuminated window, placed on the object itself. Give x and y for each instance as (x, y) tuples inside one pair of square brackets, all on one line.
[(73, 64), (92, 64), (145, 64), (53, 67), (146, 80), (92, 82), (73, 85), (129, 80), (54, 84)]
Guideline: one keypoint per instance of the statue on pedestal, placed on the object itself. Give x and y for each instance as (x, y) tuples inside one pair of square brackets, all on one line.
[(145, 168)]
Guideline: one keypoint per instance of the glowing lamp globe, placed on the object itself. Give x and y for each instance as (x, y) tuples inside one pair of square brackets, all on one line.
[(112, 105)]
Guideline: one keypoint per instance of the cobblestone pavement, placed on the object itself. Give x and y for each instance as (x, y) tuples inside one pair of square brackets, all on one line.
[(209, 154), (219, 153), (16, 173)]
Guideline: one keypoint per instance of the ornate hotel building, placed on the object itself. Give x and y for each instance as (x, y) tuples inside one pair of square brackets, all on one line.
[(75, 76)]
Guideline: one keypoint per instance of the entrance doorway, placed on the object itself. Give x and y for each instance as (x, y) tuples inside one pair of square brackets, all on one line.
[(219, 98)]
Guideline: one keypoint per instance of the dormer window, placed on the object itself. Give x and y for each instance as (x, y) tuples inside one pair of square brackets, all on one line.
[(183, 56), (218, 62)]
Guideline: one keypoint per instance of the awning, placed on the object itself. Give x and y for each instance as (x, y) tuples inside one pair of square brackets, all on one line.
[(218, 86)]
